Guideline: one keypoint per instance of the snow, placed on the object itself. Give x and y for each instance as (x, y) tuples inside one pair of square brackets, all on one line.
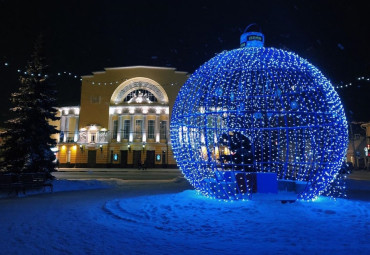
[(63, 185), (168, 217)]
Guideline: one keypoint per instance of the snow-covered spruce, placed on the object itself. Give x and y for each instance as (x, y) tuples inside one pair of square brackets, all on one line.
[(27, 139)]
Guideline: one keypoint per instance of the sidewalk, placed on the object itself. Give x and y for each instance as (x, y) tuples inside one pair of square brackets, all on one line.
[(360, 175)]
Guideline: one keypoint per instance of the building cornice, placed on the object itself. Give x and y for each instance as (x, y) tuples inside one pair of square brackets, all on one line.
[(135, 67)]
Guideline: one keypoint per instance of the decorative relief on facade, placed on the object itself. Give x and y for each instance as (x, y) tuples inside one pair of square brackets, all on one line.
[(140, 83), (83, 137), (102, 137)]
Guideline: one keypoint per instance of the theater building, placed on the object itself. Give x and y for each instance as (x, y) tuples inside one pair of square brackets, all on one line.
[(122, 120)]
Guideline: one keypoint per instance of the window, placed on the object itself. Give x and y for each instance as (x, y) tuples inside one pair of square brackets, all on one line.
[(138, 129), (115, 129), (95, 99), (126, 129), (163, 129), (151, 129), (144, 92)]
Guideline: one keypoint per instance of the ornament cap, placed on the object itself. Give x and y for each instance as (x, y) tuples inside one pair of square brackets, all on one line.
[(252, 38)]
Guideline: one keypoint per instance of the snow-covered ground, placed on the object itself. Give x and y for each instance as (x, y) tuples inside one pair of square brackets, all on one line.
[(168, 217)]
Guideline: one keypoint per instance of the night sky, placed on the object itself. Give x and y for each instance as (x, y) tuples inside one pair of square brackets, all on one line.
[(81, 37)]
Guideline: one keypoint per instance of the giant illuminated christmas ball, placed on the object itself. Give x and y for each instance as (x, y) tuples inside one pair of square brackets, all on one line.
[(255, 112)]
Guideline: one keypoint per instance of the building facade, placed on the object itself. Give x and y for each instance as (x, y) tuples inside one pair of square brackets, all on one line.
[(122, 120), (366, 148), (359, 145)]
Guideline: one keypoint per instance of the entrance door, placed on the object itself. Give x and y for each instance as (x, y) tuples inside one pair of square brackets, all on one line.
[(136, 158), (150, 157), (123, 162), (91, 158)]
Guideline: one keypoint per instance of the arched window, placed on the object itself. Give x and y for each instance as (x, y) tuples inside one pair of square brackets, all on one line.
[(143, 92), (139, 90)]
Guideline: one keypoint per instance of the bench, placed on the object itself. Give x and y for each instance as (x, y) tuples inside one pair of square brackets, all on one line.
[(34, 181), (10, 183), (26, 181)]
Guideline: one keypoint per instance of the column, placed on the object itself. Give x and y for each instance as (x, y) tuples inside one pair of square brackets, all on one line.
[(110, 128), (76, 129), (66, 129), (156, 128), (168, 129), (132, 130), (144, 129), (62, 128), (119, 128)]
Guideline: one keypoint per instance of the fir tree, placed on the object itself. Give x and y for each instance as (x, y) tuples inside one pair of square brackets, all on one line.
[(27, 139)]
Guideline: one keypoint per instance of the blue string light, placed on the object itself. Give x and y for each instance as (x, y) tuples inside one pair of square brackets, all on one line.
[(258, 110), (59, 74)]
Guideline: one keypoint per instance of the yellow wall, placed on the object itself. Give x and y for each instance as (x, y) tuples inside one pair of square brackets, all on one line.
[(98, 113), (94, 113), (102, 156), (94, 109)]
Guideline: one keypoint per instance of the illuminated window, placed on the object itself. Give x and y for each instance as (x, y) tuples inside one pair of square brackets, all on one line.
[(138, 129), (138, 92), (163, 129), (115, 129), (126, 129), (151, 129)]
